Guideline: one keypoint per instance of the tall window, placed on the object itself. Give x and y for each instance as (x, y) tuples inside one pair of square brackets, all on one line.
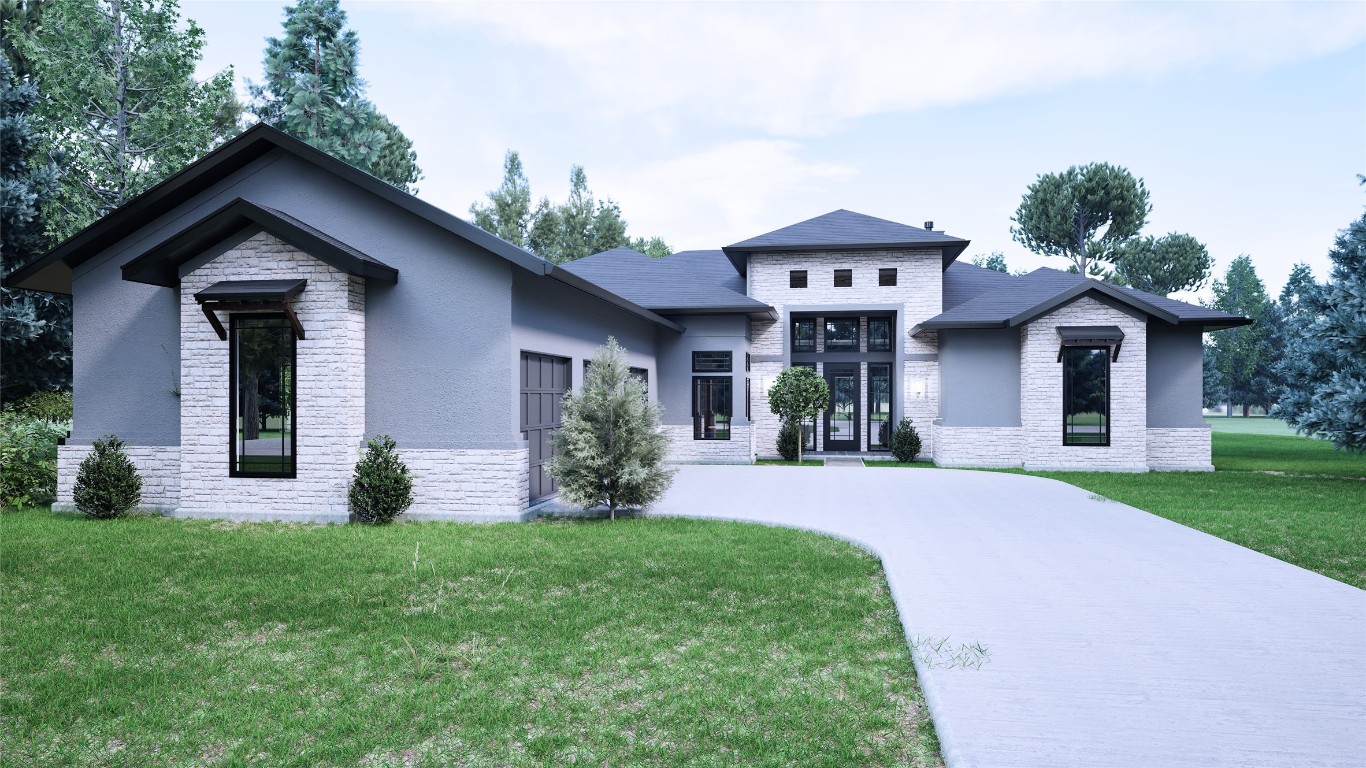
[(709, 362), (879, 406), (808, 426), (879, 334), (1086, 396), (711, 407), (261, 397), (841, 333), (804, 336)]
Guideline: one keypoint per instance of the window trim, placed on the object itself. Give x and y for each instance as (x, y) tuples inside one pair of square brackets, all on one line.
[(1067, 395), (797, 278), (847, 275), (698, 431), (886, 277), (233, 323), (729, 358)]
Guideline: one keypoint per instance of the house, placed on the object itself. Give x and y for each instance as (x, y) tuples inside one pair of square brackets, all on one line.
[(247, 323)]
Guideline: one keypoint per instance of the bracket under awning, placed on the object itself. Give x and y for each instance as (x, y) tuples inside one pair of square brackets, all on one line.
[(249, 296), (1111, 336)]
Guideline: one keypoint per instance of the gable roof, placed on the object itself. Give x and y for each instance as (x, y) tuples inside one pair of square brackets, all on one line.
[(161, 265), (664, 286), (845, 230), (52, 270), (1018, 300)]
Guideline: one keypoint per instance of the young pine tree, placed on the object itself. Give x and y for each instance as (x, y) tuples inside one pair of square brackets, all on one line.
[(610, 449)]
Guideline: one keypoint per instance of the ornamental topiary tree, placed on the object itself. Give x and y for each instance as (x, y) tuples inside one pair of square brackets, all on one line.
[(798, 394), (382, 489), (107, 483), (610, 448), (905, 442)]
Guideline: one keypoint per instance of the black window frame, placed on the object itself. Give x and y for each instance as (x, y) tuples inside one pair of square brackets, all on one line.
[(796, 278), (842, 347), (890, 332), (886, 277), (713, 367), (698, 427), (796, 347), (234, 324), (844, 278), (1067, 397)]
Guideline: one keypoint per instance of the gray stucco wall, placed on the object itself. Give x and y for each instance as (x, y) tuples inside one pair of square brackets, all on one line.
[(979, 378), (705, 333), (1175, 376), (552, 318), (434, 340)]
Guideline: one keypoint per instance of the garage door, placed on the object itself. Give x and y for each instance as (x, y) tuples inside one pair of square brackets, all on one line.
[(545, 379)]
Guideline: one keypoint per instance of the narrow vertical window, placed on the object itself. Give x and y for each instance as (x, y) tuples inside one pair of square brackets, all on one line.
[(886, 276), (844, 278), (711, 407), (879, 334), (879, 406), (261, 396), (796, 278), (748, 396), (1086, 396)]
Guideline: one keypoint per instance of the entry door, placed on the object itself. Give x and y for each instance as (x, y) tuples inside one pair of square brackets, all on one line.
[(545, 379), (842, 419)]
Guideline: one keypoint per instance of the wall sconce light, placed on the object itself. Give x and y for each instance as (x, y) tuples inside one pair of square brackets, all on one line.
[(919, 388)]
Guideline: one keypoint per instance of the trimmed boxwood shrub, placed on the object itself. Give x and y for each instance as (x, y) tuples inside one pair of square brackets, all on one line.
[(107, 483), (790, 440), (382, 488), (905, 441)]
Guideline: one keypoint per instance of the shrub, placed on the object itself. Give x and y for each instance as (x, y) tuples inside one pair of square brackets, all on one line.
[(382, 488), (905, 441), (107, 483), (28, 460), (790, 440), (610, 449), (53, 407)]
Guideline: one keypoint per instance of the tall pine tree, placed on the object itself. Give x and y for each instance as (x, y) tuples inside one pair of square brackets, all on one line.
[(313, 91), (1243, 354), (35, 327)]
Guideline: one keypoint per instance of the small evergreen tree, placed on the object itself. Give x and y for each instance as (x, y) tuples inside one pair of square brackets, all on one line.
[(905, 441), (382, 489), (798, 394), (107, 483), (610, 449)]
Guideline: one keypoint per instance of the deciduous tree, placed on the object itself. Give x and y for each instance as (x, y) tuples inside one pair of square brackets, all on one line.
[(996, 261), (797, 395), (1082, 214)]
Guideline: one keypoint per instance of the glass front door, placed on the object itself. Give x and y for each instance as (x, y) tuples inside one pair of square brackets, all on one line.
[(842, 419)]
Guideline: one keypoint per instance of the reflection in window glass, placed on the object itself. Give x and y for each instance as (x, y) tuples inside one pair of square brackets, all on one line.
[(711, 407), (804, 336), (1086, 396), (841, 333), (262, 396), (879, 406), (879, 334)]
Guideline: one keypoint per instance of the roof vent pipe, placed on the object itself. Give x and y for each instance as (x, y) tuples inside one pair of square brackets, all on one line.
[(929, 225)]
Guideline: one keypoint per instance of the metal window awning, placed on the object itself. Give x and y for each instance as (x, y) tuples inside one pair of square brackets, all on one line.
[(1091, 336), (250, 295)]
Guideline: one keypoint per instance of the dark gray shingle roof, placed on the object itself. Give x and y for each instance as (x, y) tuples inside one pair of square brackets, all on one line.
[(1017, 300), (845, 230), (711, 266), (662, 285), (963, 282)]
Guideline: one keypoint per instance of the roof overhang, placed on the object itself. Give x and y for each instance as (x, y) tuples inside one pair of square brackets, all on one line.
[(752, 312), (161, 265), (949, 248), (250, 295), (1109, 336)]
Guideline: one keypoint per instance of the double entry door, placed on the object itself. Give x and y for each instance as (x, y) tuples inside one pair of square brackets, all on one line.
[(841, 425)]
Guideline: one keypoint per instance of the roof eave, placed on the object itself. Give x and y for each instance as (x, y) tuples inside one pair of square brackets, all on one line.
[(1083, 288), (757, 313), (950, 249)]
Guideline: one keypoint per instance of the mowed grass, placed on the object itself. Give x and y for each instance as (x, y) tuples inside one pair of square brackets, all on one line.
[(153, 641), (1293, 498), (789, 462), (1252, 425)]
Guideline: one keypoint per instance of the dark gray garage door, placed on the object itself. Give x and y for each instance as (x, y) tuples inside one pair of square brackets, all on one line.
[(545, 379)]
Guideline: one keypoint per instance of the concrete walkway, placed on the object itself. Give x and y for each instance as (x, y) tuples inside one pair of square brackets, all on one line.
[(1116, 638)]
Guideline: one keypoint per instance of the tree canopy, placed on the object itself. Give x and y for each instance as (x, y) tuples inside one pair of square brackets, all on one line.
[(1171, 263), (1324, 366), (580, 226), (996, 262), (1082, 214), (1243, 355), (313, 91), (798, 394)]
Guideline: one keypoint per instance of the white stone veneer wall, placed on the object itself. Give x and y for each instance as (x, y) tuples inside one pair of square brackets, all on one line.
[(330, 379), (471, 485), (1179, 449), (1041, 393), (157, 465), (979, 446), (683, 448)]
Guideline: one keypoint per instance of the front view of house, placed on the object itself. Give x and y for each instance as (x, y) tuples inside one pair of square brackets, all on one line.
[(248, 323)]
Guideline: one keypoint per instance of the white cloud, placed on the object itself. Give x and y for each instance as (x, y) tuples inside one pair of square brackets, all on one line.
[(807, 69)]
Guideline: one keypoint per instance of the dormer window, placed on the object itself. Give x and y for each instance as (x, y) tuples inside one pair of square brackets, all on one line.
[(844, 278)]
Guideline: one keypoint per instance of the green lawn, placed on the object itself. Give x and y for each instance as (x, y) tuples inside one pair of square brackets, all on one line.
[(1255, 425), (895, 463), (1289, 497), (153, 641), (793, 463)]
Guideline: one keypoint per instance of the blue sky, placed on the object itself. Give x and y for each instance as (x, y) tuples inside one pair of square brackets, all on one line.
[(710, 123)]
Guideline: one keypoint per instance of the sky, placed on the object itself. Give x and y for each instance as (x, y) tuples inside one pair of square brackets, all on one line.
[(710, 123)]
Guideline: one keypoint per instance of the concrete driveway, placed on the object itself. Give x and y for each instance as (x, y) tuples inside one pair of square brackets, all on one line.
[(1116, 638)]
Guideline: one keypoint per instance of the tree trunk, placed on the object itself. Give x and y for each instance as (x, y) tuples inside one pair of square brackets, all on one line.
[(251, 409), (1247, 410), (801, 438), (121, 102)]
